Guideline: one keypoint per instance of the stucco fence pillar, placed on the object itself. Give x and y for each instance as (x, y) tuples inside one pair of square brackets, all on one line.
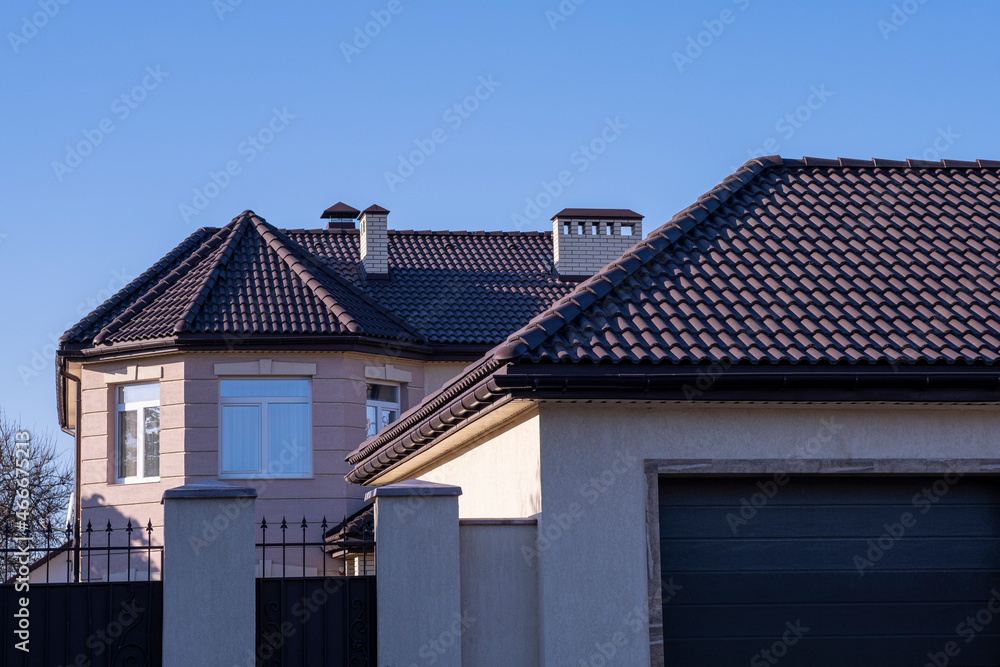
[(420, 620), (208, 575)]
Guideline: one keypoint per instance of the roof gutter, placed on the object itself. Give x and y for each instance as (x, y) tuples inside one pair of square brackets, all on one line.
[(494, 383)]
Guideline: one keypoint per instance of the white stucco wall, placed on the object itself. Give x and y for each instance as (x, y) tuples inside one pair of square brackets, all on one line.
[(500, 477), (593, 570), (584, 464)]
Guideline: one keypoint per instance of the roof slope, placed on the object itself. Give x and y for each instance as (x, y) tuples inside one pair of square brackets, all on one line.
[(820, 264), (249, 279), (799, 261), (246, 278)]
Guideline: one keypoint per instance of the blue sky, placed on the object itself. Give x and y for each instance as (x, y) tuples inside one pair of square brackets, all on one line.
[(129, 125)]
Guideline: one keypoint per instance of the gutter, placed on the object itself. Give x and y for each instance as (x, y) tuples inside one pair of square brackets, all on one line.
[(494, 383)]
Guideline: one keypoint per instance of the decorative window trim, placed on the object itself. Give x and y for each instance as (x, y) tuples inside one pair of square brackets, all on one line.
[(388, 372), (265, 367)]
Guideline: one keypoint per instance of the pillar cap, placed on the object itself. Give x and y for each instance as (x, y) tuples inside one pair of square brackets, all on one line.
[(413, 487), (209, 488)]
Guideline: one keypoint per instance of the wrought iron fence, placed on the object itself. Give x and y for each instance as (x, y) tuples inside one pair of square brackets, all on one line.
[(49, 555), (286, 549)]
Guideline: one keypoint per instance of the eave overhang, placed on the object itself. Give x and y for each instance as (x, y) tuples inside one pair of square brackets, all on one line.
[(492, 384)]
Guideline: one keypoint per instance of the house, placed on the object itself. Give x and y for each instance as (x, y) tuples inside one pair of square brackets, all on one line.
[(768, 432), (261, 355)]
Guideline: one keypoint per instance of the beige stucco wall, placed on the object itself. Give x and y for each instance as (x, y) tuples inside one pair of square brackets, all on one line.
[(592, 555), (499, 595), (499, 477), (189, 433)]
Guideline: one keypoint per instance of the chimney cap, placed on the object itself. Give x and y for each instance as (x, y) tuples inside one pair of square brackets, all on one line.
[(340, 211), (375, 208), (597, 214)]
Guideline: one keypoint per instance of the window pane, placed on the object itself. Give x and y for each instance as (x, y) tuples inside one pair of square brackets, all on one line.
[(128, 447), (383, 392), (388, 416), (287, 438), (151, 443), (279, 388), (134, 393), (372, 420), (240, 438)]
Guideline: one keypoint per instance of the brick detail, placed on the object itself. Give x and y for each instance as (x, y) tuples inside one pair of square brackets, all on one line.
[(582, 247), (375, 243)]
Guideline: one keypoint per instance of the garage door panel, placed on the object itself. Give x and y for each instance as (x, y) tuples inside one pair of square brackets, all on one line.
[(727, 491), (740, 588), (830, 554), (817, 651), (756, 620), (869, 521), (818, 550)]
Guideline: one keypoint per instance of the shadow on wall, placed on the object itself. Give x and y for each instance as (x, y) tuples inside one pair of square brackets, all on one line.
[(117, 547)]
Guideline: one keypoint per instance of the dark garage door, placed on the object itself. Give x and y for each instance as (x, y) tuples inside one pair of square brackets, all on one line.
[(819, 571)]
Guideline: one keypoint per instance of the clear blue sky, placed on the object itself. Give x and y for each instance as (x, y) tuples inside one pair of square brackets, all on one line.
[(115, 113)]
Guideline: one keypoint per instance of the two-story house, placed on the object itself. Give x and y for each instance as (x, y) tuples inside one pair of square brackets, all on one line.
[(262, 356)]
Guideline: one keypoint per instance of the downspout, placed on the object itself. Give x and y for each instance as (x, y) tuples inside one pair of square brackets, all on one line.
[(77, 466)]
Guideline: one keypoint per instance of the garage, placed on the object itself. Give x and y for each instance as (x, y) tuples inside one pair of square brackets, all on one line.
[(836, 571)]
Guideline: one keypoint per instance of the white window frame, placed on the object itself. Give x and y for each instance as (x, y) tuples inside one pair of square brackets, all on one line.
[(262, 402), (139, 407), (383, 405)]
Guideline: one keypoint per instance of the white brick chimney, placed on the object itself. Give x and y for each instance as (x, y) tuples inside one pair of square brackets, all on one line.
[(375, 241), (584, 240)]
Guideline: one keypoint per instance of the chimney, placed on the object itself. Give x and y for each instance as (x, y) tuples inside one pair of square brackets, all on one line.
[(584, 240), (375, 241), (340, 215)]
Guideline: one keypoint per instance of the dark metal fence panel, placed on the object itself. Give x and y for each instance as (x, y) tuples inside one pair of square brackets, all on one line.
[(126, 553), (315, 621), (98, 625)]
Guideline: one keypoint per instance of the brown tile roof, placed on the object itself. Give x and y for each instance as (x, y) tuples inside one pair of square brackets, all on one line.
[(251, 279), (813, 278), (799, 261)]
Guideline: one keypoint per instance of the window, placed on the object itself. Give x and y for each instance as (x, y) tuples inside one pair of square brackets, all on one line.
[(265, 428), (382, 405), (137, 432)]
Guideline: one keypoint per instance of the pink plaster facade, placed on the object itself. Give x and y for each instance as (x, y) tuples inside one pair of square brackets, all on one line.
[(189, 429)]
